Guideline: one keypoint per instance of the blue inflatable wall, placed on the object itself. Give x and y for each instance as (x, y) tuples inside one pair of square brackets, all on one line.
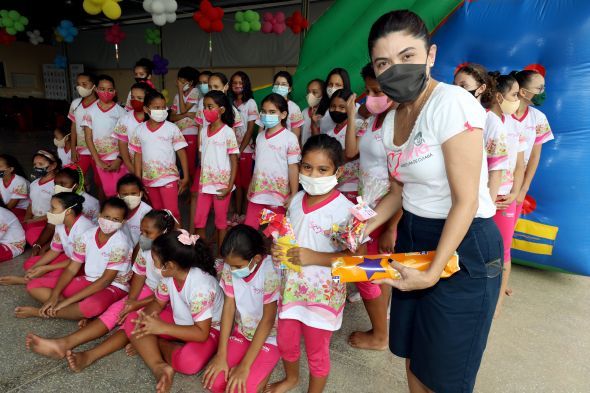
[(508, 35)]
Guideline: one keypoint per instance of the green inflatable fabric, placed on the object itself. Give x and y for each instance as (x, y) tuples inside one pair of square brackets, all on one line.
[(339, 39)]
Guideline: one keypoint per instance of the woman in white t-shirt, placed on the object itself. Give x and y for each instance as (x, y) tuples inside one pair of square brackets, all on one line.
[(185, 334), (283, 85), (436, 160), (12, 236), (247, 343), (14, 187)]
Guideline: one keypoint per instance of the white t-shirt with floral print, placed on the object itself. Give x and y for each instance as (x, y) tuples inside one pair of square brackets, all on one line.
[(204, 124), (64, 240), (349, 180), (495, 136), (125, 129), (76, 115), (251, 294), (311, 296), (144, 266), (132, 226), (307, 114), (248, 112), (90, 207), (187, 125), (295, 118), (515, 143), (102, 123), (535, 128), (40, 195), (17, 188), (158, 152), (199, 299), (274, 154), (216, 147), (115, 254), (372, 158), (12, 234)]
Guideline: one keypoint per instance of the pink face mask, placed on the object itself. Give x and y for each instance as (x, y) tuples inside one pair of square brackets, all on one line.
[(377, 105), (105, 96), (211, 115)]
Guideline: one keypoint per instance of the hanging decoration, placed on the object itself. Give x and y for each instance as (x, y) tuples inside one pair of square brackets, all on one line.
[(297, 22), (12, 21), (160, 65), (5, 38), (273, 23), (114, 34), (248, 21), (60, 61), (110, 8), (166, 95), (152, 36), (35, 37), (66, 31), (209, 18), (162, 11)]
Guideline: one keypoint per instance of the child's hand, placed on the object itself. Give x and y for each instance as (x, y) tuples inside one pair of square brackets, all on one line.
[(74, 153), (102, 165), (502, 202), (59, 306), (179, 85), (47, 306), (237, 379), (222, 193), (115, 165), (183, 184), (35, 272), (288, 201), (351, 105), (301, 256), (217, 365), (148, 325), (130, 306)]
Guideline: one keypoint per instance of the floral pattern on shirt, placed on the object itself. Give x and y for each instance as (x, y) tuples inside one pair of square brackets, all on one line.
[(200, 303), (153, 170), (264, 184), (296, 289)]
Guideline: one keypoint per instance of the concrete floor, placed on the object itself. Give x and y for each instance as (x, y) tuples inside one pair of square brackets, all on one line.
[(540, 343)]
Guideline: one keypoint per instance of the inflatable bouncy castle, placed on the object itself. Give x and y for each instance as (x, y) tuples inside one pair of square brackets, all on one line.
[(502, 35)]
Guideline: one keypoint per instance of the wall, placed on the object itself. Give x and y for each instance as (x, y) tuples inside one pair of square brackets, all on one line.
[(24, 58)]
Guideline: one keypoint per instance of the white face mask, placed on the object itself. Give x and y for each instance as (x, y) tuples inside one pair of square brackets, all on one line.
[(84, 92), (132, 201), (57, 189), (313, 100), (331, 91), (158, 115), (60, 142), (318, 185), (56, 218), (108, 226)]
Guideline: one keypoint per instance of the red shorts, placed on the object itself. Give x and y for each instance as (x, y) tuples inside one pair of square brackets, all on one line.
[(245, 169)]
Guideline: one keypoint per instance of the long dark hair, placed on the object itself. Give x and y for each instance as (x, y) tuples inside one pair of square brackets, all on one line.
[(169, 248), (395, 21), (71, 200), (481, 76), (280, 102), (243, 241), (325, 102), (247, 87), (12, 162), (327, 144), (227, 117), (163, 220)]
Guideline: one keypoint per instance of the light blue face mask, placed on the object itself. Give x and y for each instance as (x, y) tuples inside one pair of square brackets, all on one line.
[(244, 271), (269, 121), (203, 88), (282, 90)]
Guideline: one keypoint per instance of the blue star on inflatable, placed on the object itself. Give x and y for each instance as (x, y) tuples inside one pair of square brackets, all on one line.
[(371, 266)]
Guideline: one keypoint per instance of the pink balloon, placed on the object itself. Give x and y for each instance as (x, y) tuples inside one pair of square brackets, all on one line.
[(267, 17), (279, 28), (267, 27), (280, 17)]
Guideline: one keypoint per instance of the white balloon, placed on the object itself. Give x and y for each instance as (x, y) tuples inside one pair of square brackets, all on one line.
[(171, 6), (159, 19), (147, 5), (171, 18), (158, 7)]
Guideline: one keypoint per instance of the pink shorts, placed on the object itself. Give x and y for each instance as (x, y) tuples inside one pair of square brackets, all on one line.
[(317, 345), (165, 197), (506, 221), (29, 263), (265, 362), (33, 230), (5, 253), (220, 206), (196, 180), (253, 213), (109, 179), (517, 212), (192, 357), (91, 306), (191, 152), (245, 169), (110, 317), (20, 214)]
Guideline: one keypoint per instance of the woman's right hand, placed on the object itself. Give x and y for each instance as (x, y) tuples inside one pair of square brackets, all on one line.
[(48, 305), (217, 365)]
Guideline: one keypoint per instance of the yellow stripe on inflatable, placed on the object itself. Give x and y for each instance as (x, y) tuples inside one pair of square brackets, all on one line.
[(262, 87), (528, 231), (536, 229), (533, 248)]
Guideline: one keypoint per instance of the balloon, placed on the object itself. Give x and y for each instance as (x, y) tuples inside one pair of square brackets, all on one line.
[(162, 11), (35, 37), (91, 8), (255, 26), (114, 34), (111, 10), (240, 16), (60, 61), (266, 27), (237, 27), (170, 18), (297, 22), (159, 19), (273, 23), (160, 65), (245, 26), (248, 21), (152, 36), (12, 21), (166, 95), (209, 18), (217, 26), (67, 31)]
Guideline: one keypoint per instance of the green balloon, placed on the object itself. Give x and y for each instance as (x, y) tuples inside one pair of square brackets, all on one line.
[(249, 16), (239, 16), (24, 20), (11, 30), (237, 27), (245, 27), (13, 14), (7, 22), (18, 26), (3, 13), (255, 26)]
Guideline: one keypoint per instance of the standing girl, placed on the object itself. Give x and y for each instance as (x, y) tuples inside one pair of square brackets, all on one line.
[(315, 89), (155, 143), (219, 163), (12, 236), (125, 128), (241, 97), (86, 88), (283, 85), (312, 303), (248, 352), (141, 292), (276, 171), (142, 73), (337, 79), (373, 177), (105, 252), (62, 143), (343, 112), (185, 334), (131, 191), (99, 123), (182, 112), (45, 166), (72, 180), (14, 188)]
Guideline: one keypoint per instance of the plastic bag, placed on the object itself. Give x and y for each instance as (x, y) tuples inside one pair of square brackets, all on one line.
[(280, 229)]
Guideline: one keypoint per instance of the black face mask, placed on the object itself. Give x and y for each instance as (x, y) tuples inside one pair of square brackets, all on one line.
[(403, 82), (38, 173), (338, 117), (2, 173), (139, 80), (473, 92)]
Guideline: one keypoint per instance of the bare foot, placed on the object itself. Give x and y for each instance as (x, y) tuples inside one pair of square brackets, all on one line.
[(164, 375), (367, 340), (26, 312), (282, 386), (508, 292), (130, 350), (82, 323), (12, 280), (78, 361), (46, 347)]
